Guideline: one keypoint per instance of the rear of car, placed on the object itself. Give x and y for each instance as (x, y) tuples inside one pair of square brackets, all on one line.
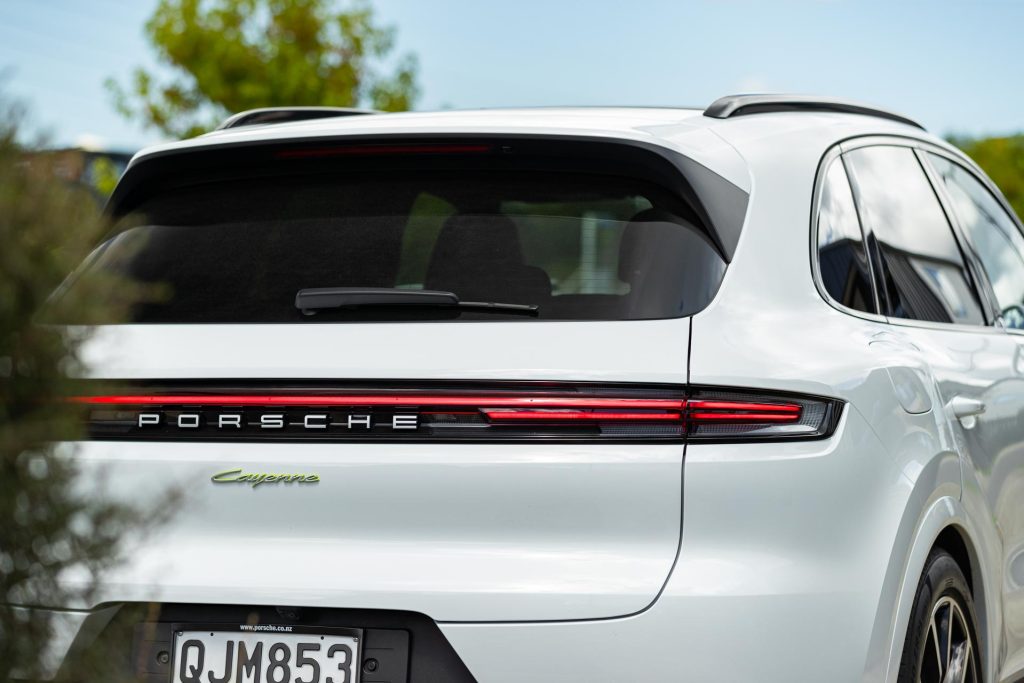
[(427, 398)]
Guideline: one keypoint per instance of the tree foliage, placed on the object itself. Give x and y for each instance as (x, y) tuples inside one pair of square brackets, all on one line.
[(227, 56), (50, 528), (1003, 160)]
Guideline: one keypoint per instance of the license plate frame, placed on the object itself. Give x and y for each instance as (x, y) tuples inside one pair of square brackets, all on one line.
[(264, 633)]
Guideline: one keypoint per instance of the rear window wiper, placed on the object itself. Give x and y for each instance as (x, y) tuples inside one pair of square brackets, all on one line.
[(309, 301)]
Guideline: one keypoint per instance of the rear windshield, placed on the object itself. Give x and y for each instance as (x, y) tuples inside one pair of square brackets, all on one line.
[(575, 246)]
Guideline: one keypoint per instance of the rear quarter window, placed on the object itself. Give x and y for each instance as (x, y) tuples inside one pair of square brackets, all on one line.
[(842, 259)]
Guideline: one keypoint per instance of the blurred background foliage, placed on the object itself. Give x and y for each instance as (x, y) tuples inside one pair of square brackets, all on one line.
[(52, 526), (231, 55), (1002, 158)]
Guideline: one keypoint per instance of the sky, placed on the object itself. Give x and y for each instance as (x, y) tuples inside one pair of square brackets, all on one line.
[(954, 65)]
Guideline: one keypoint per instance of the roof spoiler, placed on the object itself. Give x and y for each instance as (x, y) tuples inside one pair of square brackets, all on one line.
[(257, 117), (719, 205), (742, 105)]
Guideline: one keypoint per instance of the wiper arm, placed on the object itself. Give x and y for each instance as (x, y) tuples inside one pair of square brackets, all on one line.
[(309, 301)]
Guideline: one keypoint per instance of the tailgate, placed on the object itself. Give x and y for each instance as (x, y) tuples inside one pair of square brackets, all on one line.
[(543, 529)]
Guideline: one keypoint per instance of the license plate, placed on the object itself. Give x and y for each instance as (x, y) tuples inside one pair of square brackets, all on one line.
[(265, 653)]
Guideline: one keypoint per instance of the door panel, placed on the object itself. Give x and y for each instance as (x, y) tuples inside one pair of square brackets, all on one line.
[(997, 453), (995, 448)]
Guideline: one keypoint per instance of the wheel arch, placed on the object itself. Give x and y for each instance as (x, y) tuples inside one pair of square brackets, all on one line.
[(956, 540), (946, 524)]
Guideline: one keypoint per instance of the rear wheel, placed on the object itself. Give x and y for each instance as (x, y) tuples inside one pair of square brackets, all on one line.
[(942, 643)]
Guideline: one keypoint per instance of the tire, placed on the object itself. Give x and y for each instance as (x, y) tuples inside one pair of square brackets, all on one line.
[(932, 647)]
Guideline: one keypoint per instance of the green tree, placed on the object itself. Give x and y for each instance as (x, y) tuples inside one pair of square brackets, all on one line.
[(49, 525), (227, 56), (1003, 160)]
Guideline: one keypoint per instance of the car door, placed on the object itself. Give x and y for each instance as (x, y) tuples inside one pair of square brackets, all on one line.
[(995, 238), (937, 299)]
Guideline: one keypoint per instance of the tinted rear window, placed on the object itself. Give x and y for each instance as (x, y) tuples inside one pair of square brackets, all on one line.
[(578, 246)]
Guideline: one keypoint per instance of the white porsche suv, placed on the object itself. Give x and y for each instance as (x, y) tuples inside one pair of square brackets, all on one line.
[(564, 395)]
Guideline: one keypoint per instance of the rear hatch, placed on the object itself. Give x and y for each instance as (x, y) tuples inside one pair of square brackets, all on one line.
[(444, 377)]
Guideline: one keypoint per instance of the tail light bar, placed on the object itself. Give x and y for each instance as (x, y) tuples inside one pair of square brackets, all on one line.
[(404, 399), (512, 412), (742, 411)]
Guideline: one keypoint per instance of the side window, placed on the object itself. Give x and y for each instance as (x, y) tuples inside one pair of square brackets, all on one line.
[(993, 235), (842, 259), (923, 271)]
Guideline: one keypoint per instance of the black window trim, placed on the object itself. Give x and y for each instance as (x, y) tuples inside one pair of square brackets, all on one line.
[(841, 147)]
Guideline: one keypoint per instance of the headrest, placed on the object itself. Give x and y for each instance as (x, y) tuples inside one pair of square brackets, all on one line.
[(479, 257), (647, 232), (475, 241)]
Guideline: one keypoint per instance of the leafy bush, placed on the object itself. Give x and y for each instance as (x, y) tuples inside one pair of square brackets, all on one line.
[(49, 526), (1003, 160)]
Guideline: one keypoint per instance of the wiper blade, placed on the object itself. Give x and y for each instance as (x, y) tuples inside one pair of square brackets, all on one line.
[(309, 301)]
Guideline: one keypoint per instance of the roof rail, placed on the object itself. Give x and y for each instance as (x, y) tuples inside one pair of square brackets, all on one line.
[(255, 117), (741, 105)]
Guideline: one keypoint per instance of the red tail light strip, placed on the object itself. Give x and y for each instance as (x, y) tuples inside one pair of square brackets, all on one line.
[(701, 404), (743, 417), (568, 402), (574, 415), (694, 411), (741, 411), (496, 408)]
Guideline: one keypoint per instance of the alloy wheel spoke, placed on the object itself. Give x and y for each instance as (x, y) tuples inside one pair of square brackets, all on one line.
[(950, 624), (933, 632), (933, 628)]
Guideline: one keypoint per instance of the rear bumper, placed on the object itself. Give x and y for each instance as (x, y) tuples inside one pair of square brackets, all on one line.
[(794, 637), (785, 638)]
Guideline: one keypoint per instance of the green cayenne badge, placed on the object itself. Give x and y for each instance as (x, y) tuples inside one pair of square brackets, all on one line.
[(237, 476)]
